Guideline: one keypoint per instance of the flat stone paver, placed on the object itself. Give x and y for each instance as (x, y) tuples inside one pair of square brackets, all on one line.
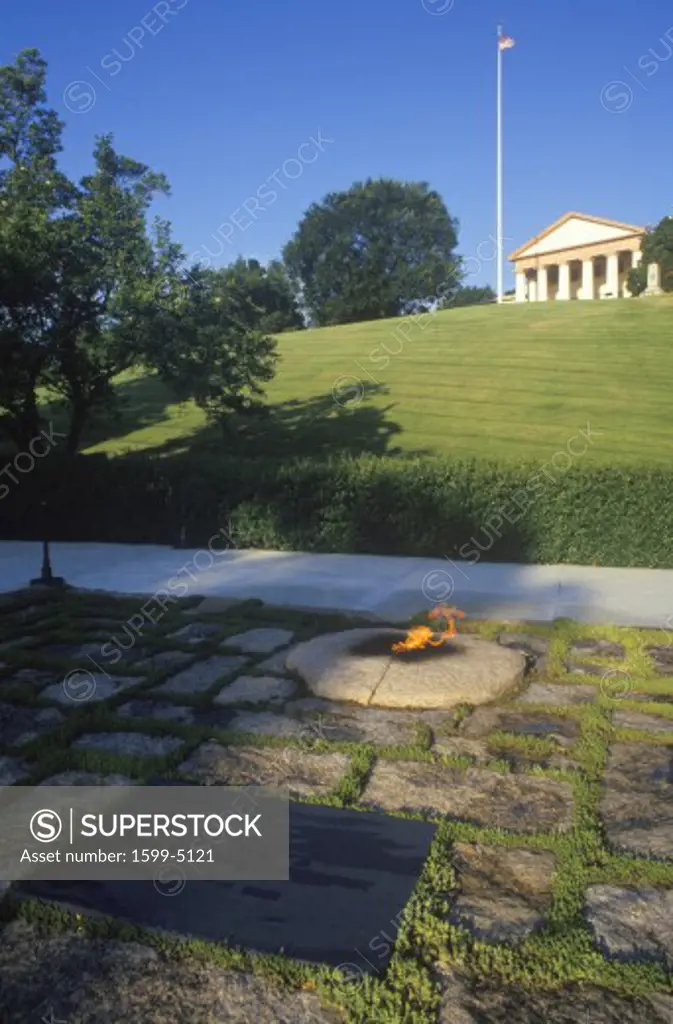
[(161, 710), (350, 723), (662, 657), (304, 773), (480, 753), (535, 648), (637, 799), (161, 660), (520, 803), (203, 674), (68, 977), (539, 725), (259, 641), (76, 690), (454, 745), (633, 923), (275, 664), (20, 725), (558, 694), (504, 894), (357, 665), (595, 648), (12, 770), (266, 723), (196, 633), (128, 744), (644, 723), (256, 690), (464, 1002)]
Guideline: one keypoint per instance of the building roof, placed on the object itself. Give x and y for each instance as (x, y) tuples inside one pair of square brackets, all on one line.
[(614, 229)]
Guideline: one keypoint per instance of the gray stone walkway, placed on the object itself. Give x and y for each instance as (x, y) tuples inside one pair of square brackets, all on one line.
[(565, 762)]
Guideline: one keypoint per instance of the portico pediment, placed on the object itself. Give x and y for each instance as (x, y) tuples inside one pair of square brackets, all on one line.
[(573, 231)]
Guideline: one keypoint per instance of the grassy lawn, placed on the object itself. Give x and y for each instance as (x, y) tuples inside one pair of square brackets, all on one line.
[(624, 703), (511, 382)]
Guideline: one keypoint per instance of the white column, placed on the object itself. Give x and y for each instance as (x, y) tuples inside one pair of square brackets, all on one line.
[(542, 292), (637, 258), (587, 290), (521, 287), (532, 290), (612, 275), (563, 281)]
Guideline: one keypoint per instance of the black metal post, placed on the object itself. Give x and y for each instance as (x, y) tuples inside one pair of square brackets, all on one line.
[(47, 578)]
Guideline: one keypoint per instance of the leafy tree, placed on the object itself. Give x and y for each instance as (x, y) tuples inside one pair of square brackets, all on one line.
[(657, 248), (31, 189), (106, 288), (381, 249), (75, 262), (267, 302), (472, 295), (87, 290), (206, 351)]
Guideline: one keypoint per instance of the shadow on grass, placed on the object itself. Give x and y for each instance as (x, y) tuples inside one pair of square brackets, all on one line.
[(138, 402), (316, 427)]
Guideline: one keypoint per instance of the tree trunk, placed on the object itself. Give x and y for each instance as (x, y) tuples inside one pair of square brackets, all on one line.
[(78, 418)]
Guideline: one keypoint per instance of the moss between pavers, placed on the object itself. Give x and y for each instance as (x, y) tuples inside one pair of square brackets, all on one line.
[(564, 952)]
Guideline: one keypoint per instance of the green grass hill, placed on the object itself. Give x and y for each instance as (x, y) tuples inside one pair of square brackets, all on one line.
[(510, 382)]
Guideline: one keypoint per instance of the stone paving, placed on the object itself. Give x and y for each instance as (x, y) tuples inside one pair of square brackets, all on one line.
[(520, 803), (504, 895), (637, 799), (556, 761), (72, 978)]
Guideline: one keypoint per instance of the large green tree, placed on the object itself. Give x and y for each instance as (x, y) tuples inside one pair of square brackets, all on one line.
[(383, 248), (267, 301), (31, 191), (206, 350), (89, 289), (77, 268), (657, 248)]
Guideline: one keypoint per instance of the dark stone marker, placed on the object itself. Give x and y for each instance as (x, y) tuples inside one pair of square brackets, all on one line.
[(352, 873)]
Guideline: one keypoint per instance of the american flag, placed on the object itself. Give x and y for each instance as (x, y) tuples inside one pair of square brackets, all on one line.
[(505, 42)]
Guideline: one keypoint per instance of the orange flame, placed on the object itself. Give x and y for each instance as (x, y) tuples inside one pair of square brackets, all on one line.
[(420, 637)]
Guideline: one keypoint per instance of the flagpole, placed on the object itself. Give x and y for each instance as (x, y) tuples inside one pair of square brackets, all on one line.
[(499, 231)]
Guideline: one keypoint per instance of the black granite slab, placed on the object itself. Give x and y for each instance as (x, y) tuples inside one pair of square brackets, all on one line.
[(351, 874)]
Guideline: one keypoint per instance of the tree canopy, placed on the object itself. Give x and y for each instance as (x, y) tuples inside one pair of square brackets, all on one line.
[(206, 349), (382, 248), (89, 289), (264, 294), (657, 248)]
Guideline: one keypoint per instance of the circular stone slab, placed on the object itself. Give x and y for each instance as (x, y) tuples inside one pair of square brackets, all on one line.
[(357, 665)]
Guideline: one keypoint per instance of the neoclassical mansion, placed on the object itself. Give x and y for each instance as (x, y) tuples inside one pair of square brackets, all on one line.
[(577, 257)]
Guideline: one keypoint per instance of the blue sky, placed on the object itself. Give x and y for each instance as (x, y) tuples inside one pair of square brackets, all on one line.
[(221, 94)]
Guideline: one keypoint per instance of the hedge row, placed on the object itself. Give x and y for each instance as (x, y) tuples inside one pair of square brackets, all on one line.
[(379, 505)]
